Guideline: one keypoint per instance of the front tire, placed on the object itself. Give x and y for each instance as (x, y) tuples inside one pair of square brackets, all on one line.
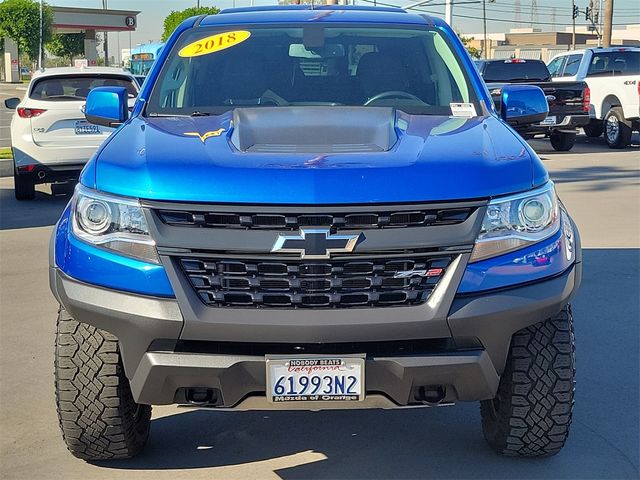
[(531, 413), (617, 130), (24, 186), (98, 416), (561, 141)]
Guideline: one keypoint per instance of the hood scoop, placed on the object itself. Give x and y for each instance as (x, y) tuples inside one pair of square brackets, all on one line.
[(314, 129)]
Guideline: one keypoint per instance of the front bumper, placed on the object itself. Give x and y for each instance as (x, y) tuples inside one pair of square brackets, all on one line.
[(468, 362)]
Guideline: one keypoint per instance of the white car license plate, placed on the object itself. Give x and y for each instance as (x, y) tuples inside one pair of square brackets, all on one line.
[(316, 378), (550, 120), (86, 128)]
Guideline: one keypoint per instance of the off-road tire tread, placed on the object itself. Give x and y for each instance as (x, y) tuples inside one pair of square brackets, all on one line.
[(95, 407), (536, 391)]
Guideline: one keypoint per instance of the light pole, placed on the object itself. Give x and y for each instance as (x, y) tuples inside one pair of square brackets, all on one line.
[(484, 26), (106, 39), (40, 43), (574, 14)]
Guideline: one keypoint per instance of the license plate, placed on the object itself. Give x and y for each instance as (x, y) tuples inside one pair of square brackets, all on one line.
[(550, 120), (315, 378), (85, 128)]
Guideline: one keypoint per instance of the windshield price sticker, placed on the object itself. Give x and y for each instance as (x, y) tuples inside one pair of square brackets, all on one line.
[(214, 43), (467, 110)]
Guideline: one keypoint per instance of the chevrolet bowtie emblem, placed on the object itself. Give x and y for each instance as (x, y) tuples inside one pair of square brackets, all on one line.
[(316, 243), (204, 136)]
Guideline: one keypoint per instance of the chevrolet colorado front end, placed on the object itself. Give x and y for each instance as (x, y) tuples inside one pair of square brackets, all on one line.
[(314, 208)]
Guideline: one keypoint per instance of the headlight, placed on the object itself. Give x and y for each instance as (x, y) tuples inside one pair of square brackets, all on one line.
[(113, 223), (517, 221)]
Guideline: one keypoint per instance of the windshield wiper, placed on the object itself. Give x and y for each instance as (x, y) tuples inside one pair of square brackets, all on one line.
[(200, 114), (155, 114)]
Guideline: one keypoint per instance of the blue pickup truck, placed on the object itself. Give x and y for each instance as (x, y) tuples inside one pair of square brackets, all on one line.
[(314, 208)]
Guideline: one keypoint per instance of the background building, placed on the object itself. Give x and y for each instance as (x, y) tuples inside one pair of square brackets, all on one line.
[(533, 43)]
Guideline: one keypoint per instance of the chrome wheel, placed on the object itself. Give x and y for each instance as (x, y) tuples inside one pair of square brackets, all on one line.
[(612, 128)]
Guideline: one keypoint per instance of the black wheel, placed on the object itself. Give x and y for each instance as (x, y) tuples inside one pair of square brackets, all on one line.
[(593, 129), (98, 416), (561, 141), (617, 130), (531, 413), (24, 188)]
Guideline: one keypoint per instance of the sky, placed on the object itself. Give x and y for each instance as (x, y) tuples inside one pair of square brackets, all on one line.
[(501, 14)]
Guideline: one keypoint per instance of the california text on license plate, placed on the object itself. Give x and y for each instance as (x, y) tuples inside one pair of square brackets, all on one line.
[(550, 120), (315, 378)]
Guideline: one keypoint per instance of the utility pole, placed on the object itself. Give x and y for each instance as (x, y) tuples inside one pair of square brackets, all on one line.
[(608, 23), (484, 26), (448, 12)]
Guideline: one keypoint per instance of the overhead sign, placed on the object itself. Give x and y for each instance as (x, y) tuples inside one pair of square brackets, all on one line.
[(142, 56)]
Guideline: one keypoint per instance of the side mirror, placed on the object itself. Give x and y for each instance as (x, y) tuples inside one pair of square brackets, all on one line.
[(12, 103), (107, 106), (523, 104)]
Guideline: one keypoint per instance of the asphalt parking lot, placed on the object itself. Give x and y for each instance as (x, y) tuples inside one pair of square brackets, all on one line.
[(601, 189)]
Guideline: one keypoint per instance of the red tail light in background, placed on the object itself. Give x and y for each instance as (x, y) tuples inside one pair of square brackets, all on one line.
[(586, 100), (30, 112)]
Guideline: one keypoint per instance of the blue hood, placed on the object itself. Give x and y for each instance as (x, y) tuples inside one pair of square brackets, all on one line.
[(435, 158)]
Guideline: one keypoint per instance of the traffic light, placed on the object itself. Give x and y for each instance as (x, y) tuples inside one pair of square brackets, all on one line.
[(575, 11), (587, 13)]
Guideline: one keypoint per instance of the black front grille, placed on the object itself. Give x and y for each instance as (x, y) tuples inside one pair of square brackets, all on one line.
[(374, 282), (292, 221)]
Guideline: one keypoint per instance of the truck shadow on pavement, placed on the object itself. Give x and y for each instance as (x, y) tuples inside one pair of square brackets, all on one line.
[(45, 210), (444, 442), (584, 145), (595, 178)]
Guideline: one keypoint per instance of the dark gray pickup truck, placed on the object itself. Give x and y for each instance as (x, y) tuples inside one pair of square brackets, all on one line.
[(569, 102)]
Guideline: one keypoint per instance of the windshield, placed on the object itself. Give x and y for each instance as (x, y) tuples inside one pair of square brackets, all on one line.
[(210, 71), (141, 67), (510, 71)]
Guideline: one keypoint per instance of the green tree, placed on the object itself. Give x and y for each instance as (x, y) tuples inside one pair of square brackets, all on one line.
[(20, 21), (175, 18), (473, 51), (67, 45)]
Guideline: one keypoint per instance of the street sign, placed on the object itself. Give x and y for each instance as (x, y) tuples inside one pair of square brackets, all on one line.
[(130, 22), (14, 64)]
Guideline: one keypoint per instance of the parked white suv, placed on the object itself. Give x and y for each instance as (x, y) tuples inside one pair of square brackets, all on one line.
[(50, 137), (613, 76)]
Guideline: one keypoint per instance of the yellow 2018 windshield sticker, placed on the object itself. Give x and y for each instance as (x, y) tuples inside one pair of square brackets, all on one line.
[(204, 136), (214, 43)]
